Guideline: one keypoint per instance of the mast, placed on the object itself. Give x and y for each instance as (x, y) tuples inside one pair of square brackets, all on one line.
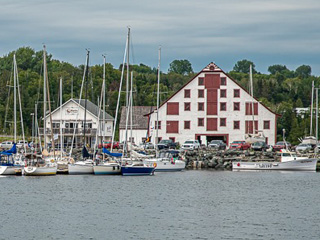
[(125, 147), (44, 97), (15, 97), (252, 102), (119, 94), (61, 135), (311, 108), (131, 118), (317, 114), (85, 103), (158, 103), (104, 102)]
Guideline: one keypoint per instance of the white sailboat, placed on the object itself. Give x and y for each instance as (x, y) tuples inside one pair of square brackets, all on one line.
[(10, 160), (84, 166), (164, 161), (105, 167), (43, 167), (257, 135)]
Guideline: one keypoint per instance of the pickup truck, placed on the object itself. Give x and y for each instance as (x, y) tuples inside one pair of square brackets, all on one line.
[(166, 143), (240, 145)]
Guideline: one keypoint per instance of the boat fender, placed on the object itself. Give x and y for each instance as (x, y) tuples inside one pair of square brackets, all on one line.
[(238, 164), (155, 165)]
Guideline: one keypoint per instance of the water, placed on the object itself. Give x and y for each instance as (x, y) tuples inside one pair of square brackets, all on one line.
[(182, 205)]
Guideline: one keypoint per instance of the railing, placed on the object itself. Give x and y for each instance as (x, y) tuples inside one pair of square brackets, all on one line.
[(70, 131)]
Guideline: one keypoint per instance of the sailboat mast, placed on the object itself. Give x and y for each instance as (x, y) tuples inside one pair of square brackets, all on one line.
[(127, 94), (158, 103), (61, 135), (15, 97), (131, 108), (252, 102), (317, 113), (44, 97), (311, 108), (104, 101), (85, 102)]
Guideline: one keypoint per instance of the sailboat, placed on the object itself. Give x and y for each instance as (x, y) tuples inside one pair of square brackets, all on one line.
[(165, 161), (40, 166), (105, 167), (86, 165), (312, 140), (135, 168), (11, 163), (257, 135)]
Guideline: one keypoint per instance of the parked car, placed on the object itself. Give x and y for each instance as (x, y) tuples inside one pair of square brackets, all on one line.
[(240, 145), (6, 144), (302, 147), (166, 143), (107, 144), (191, 145), (217, 144), (281, 145), (21, 144), (259, 146)]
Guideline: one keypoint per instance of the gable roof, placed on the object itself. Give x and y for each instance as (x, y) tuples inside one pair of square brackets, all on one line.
[(213, 68), (91, 107), (140, 120)]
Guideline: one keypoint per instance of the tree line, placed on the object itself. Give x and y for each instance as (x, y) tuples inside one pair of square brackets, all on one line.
[(282, 90)]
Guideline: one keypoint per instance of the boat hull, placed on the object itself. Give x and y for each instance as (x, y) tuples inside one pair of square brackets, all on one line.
[(107, 169), (136, 171), (80, 169), (295, 165), (9, 170), (40, 171), (163, 165)]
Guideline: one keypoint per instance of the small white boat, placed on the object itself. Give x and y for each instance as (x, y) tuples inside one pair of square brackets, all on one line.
[(288, 161), (41, 170), (107, 168), (81, 167), (10, 170), (168, 161)]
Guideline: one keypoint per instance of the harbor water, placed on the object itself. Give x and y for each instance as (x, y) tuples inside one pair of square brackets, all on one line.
[(194, 204)]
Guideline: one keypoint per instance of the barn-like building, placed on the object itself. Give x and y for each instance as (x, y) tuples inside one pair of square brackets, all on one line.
[(212, 106)]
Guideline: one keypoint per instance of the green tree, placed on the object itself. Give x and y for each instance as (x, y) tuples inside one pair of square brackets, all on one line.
[(182, 67), (303, 71), (277, 68), (243, 66)]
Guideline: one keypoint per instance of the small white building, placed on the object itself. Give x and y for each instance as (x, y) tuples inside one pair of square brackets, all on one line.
[(72, 118), (212, 106), (140, 124)]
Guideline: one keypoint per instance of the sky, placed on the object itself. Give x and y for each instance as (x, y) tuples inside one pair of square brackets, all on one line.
[(266, 32)]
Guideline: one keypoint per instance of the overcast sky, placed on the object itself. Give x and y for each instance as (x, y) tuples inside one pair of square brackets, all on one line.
[(266, 32)]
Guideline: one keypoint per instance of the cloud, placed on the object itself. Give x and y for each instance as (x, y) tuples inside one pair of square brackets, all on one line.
[(200, 31)]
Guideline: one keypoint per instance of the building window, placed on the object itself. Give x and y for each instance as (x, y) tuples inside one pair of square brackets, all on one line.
[(200, 106), (200, 122), (266, 124), (186, 124), (173, 139), (236, 106), (200, 81), (236, 93), (157, 126), (223, 122), (187, 93), (159, 139), (236, 124), (223, 81), (200, 93), (143, 139), (223, 93), (187, 106), (131, 139), (223, 106)]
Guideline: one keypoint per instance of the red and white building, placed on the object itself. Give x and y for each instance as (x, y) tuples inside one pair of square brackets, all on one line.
[(212, 106)]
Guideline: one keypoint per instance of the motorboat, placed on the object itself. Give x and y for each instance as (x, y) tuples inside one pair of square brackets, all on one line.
[(137, 169)]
